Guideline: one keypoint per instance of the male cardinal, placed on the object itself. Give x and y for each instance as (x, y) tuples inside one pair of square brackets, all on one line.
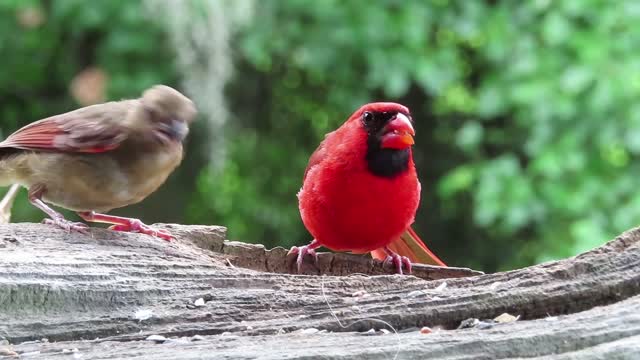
[(100, 157), (360, 190)]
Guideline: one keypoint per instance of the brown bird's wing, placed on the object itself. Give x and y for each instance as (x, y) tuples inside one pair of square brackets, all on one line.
[(92, 129), (317, 155)]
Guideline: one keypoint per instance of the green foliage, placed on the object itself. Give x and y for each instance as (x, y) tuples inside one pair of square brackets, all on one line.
[(528, 128), (527, 112), (45, 44)]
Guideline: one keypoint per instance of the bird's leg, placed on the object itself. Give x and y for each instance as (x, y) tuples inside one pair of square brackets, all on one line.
[(397, 260), (55, 218), (304, 250), (7, 203), (125, 224)]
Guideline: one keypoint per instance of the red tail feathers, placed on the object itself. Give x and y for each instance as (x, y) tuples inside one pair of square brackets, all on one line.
[(410, 245)]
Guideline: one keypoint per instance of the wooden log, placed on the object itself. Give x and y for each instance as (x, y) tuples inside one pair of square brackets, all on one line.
[(104, 294)]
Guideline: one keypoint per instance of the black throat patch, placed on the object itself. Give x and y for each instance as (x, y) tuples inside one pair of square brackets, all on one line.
[(383, 162), (387, 162)]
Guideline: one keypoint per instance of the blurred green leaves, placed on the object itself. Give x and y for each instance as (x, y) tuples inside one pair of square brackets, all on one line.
[(526, 112), (44, 45), (528, 109)]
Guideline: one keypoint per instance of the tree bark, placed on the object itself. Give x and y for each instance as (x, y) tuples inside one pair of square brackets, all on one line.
[(103, 295)]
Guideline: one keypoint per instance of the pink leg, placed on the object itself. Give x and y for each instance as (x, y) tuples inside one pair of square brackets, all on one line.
[(304, 250), (55, 218), (397, 260), (125, 224)]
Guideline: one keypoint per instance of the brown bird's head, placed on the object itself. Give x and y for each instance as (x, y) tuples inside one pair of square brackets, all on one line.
[(164, 113), (390, 135)]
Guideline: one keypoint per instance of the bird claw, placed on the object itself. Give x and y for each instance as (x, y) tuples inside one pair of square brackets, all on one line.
[(399, 262), (301, 252), (137, 226), (67, 225)]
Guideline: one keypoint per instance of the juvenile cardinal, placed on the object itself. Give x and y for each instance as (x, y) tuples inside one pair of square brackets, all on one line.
[(360, 190), (100, 157)]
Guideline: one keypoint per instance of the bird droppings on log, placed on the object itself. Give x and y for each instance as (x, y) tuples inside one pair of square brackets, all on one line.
[(506, 318), (144, 314), (159, 339), (87, 293)]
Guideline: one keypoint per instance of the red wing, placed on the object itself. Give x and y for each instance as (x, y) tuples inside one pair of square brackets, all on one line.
[(317, 155), (84, 130), (410, 245)]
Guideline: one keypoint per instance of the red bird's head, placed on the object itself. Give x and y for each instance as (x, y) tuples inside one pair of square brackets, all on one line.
[(390, 135)]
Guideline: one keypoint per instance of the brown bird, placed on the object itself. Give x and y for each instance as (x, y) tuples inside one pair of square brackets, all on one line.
[(100, 157)]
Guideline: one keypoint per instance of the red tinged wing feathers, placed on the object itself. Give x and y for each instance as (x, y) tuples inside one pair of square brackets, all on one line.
[(82, 131), (410, 245)]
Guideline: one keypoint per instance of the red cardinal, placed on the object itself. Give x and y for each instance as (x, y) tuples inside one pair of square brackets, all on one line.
[(100, 157), (360, 190)]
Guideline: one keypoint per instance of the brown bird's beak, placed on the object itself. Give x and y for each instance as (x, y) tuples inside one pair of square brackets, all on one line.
[(398, 133), (174, 130)]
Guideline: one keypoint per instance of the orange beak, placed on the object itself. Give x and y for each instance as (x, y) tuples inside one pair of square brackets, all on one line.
[(398, 134)]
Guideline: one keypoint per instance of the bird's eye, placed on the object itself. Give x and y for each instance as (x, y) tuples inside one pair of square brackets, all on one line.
[(367, 117)]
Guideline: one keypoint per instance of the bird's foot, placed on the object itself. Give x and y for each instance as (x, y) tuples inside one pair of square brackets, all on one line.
[(135, 225), (399, 262), (125, 224), (55, 218), (302, 251), (67, 225)]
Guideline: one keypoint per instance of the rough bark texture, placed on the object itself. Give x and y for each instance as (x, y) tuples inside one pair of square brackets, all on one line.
[(101, 296)]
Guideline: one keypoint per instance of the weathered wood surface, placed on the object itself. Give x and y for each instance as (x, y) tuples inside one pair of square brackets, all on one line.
[(104, 294)]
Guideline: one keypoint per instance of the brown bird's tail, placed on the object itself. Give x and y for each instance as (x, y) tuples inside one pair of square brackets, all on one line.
[(410, 245)]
